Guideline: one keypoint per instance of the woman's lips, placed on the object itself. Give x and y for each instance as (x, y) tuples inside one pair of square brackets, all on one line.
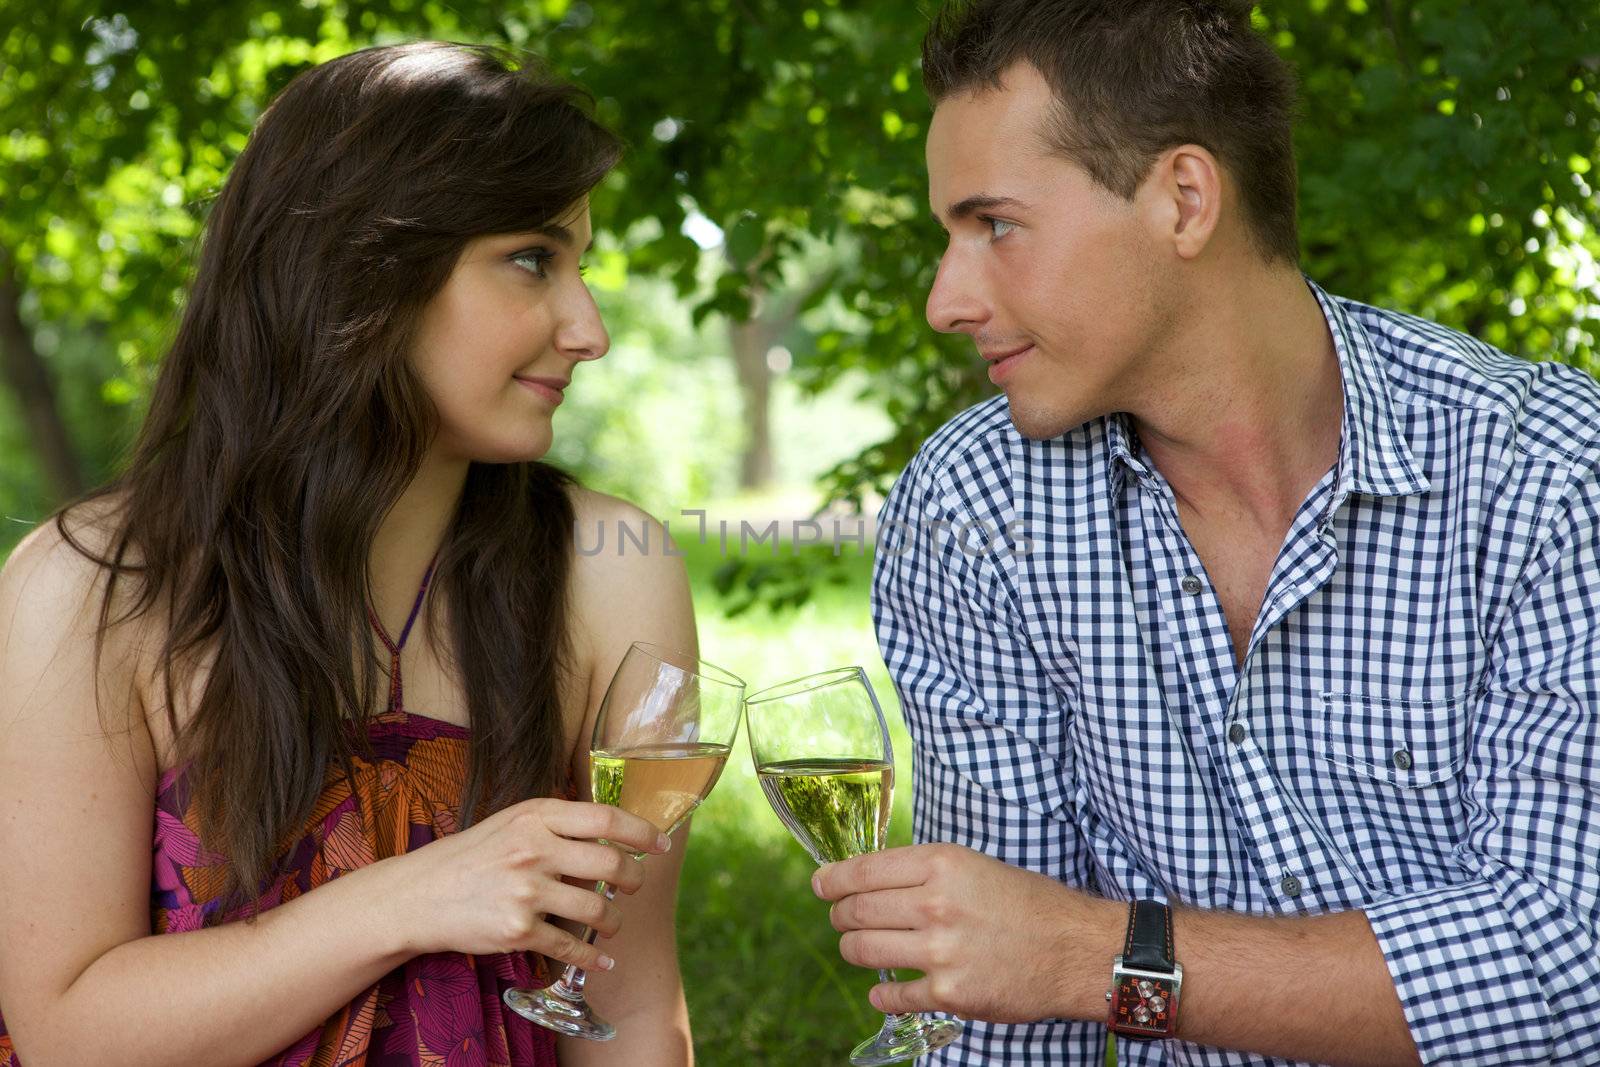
[(549, 388)]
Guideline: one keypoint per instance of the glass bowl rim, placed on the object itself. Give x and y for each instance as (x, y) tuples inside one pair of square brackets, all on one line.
[(807, 683)]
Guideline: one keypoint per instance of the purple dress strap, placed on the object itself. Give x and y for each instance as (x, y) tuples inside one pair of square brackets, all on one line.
[(396, 698)]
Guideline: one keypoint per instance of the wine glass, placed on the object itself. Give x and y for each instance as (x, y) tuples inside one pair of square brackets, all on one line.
[(822, 755), (665, 727)]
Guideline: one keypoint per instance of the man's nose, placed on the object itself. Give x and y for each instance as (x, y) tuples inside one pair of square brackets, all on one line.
[(955, 304)]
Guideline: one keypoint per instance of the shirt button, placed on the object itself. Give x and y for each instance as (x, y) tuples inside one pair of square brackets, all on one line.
[(1190, 584), (1402, 760), (1236, 733), (1290, 886)]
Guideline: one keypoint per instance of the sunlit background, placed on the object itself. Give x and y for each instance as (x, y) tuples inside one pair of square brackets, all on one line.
[(761, 262)]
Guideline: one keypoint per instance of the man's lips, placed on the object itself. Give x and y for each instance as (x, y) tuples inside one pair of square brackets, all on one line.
[(552, 389), (1003, 361), (998, 354)]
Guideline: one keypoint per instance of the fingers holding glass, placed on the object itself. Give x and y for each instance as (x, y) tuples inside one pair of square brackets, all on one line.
[(822, 754), (661, 738)]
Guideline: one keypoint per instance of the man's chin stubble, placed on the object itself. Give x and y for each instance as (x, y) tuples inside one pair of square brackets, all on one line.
[(1039, 425)]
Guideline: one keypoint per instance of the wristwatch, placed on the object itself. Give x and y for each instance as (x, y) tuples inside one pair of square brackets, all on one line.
[(1145, 979)]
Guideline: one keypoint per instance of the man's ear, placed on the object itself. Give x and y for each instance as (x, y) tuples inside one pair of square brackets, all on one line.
[(1185, 187)]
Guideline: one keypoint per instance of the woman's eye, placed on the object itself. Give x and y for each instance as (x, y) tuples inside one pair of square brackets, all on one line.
[(534, 262), (998, 228)]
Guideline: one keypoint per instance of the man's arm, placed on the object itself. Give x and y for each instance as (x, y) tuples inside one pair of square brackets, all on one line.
[(1503, 967), (995, 942), (1498, 968)]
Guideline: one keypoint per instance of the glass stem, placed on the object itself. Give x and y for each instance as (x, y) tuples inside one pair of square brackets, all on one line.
[(571, 985), (890, 1019)]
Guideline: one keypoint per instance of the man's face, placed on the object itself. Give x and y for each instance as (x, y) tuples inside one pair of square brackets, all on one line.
[(1043, 265)]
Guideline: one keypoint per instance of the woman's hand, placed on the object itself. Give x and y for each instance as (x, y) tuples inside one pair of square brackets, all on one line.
[(489, 888)]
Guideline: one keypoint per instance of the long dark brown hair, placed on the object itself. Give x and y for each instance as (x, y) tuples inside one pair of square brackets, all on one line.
[(286, 422)]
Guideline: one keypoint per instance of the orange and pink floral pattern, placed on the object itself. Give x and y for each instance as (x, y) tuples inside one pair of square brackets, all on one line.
[(439, 1010)]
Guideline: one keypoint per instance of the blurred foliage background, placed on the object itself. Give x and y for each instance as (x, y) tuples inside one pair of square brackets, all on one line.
[(763, 257), (768, 236)]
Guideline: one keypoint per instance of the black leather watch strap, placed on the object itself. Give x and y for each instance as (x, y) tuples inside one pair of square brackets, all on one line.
[(1149, 944)]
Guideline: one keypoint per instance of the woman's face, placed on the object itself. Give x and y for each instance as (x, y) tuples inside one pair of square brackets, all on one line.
[(498, 344)]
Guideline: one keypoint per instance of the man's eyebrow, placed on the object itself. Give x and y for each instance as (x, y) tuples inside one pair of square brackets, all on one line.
[(982, 202)]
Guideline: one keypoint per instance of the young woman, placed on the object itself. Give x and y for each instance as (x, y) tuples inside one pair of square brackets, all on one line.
[(327, 642)]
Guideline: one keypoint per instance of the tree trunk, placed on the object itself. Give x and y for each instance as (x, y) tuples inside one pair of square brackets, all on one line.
[(749, 341), (30, 380)]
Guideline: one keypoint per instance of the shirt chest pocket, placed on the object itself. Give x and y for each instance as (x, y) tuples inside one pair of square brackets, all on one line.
[(1394, 794)]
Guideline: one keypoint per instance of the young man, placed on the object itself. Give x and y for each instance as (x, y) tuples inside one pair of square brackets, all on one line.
[(1290, 628)]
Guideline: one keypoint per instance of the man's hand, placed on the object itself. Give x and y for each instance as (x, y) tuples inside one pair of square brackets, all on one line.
[(993, 941)]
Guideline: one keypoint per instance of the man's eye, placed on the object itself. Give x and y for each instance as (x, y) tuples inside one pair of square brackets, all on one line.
[(998, 228), (534, 262)]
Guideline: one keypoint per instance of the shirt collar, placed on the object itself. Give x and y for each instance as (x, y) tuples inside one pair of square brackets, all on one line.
[(1121, 461), (1374, 458)]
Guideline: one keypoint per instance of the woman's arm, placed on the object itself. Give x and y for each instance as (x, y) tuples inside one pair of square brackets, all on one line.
[(82, 980), (618, 598)]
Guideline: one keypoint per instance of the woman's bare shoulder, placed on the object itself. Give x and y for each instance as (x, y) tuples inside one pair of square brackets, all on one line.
[(56, 566), (629, 581), (635, 590), (52, 592), (591, 506), (617, 544), (59, 571)]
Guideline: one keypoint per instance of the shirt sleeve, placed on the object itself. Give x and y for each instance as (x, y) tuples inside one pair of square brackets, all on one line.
[(1503, 968), (987, 725)]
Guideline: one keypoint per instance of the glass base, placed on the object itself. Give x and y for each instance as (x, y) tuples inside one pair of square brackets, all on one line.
[(905, 1037), (565, 1015)]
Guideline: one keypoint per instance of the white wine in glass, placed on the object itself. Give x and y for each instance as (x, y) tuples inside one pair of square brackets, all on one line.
[(662, 784), (836, 808), (661, 739), (822, 755)]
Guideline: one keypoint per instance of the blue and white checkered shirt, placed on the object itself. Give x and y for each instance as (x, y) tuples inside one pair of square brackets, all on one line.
[(1414, 731)]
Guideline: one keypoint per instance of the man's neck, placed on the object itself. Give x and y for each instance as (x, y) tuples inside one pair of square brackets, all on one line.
[(1243, 412)]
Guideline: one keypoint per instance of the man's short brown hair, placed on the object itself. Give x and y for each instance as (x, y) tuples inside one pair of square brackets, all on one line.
[(1134, 78)]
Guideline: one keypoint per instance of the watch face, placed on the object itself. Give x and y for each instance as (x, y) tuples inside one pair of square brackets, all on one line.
[(1142, 1004)]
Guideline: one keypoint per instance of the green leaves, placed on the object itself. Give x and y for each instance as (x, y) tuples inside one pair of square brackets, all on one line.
[(1446, 157), (747, 239)]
